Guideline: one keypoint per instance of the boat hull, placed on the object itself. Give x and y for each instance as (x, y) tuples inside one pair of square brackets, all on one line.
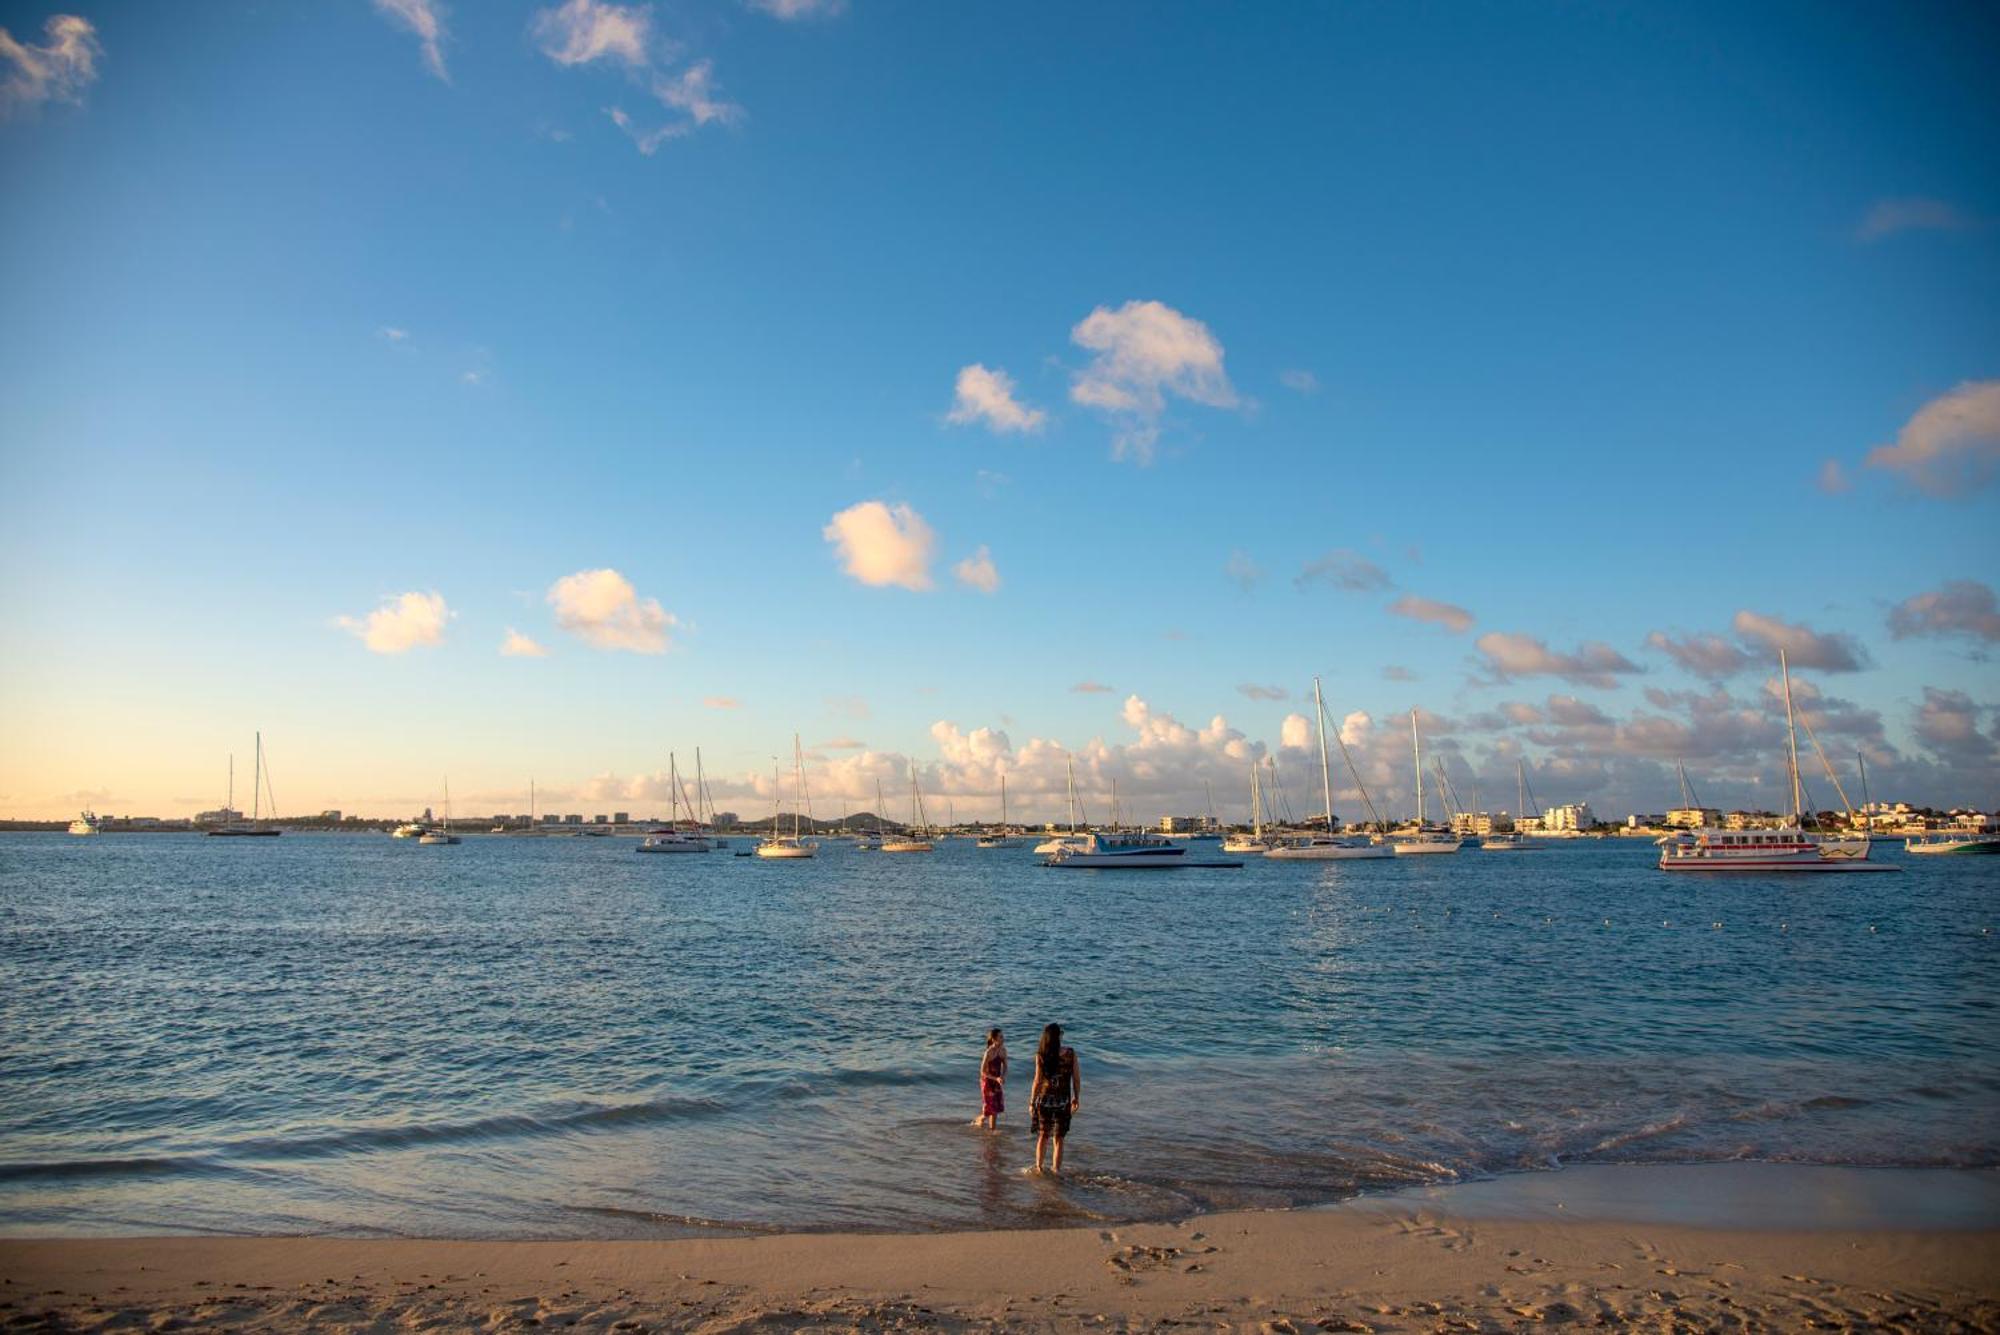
[(1956, 848), (785, 851), (1330, 853), (1421, 848), (1726, 866), (1119, 861)]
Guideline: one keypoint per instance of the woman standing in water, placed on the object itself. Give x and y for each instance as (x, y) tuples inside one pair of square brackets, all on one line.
[(1056, 1095)]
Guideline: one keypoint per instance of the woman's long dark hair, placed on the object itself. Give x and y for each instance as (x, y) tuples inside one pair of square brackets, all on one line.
[(1048, 1056)]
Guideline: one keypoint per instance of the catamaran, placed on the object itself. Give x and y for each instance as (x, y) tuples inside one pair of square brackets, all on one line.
[(912, 839), (793, 845), (1514, 841), (260, 784), (1422, 837), (674, 838), (1790, 848), (1330, 846)]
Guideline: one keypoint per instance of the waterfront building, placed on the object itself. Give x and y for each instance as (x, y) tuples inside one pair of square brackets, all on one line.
[(1569, 817), (1694, 818)]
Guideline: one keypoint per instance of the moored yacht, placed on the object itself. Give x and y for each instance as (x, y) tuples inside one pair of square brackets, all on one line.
[(1330, 846), (1944, 845), (1075, 838), (86, 823), (674, 838), (259, 786), (1112, 850), (794, 845), (1254, 841), (1513, 841), (912, 839), (1422, 837)]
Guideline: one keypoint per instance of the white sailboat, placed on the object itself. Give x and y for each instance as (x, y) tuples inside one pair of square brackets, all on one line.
[(912, 839), (1514, 841), (1329, 847), (1075, 837), (1252, 842), (259, 786), (870, 841), (441, 834), (793, 845), (674, 838), (1422, 837), (1003, 837), (1790, 848)]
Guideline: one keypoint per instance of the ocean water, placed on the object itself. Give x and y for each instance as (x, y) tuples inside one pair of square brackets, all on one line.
[(351, 1034)]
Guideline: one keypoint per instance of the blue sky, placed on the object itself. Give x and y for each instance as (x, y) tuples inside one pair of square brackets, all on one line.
[(1583, 320)]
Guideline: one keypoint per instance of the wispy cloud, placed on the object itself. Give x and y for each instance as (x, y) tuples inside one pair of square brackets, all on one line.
[(1707, 656), (1449, 615), (60, 70), (601, 608), (425, 18), (693, 91), (1962, 607), (978, 571), (1804, 646), (401, 624), (517, 645), (579, 32), (1833, 478), (1242, 571), (987, 395), (1887, 217), (721, 702), (1146, 351), (1397, 672), (1250, 690), (880, 544), (841, 744), (1299, 382), (1590, 664), (1343, 568), (1091, 688), (1951, 444), (389, 333), (791, 10)]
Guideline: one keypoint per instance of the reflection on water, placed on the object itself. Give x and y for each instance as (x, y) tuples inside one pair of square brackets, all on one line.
[(559, 1037)]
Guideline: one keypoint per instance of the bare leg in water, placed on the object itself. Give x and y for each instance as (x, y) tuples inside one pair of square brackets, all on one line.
[(1041, 1143), (1055, 1160)]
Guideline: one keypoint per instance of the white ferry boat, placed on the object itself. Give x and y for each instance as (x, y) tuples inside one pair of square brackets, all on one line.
[(86, 823), (1119, 850)]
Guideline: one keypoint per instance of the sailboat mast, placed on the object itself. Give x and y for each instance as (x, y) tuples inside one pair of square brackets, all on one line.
[(1003, 802), (230, 805), (1417, 750), (257, 780), (700, 785), (1792, 739), (1867, 816), (1325, 773), (798, 785), (1070, 763)]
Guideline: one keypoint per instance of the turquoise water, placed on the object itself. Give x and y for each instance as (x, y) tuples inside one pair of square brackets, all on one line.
[(561, 1037)]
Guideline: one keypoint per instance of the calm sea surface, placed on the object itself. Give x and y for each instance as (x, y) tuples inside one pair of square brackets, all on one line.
[(562, 1037)]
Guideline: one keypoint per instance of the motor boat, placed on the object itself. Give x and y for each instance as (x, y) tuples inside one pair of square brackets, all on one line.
[(1329, 848), (86, 823), (1120, 850), (674, 841)]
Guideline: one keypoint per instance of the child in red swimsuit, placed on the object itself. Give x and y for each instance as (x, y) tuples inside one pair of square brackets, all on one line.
[(992, 1079)]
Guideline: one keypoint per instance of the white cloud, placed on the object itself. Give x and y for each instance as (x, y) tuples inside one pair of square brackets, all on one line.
[(401, 624), (1299, 382), (1708, 656), (1804, 646), (601, 608), (425, 18), (1887, 217), (1296, 732), (1951, 444), (1343, 568), (881, 544), (1147, 350), (1962, 607), (517, 645), (693, 91), (978, 571), (988, 395), (790, 10), (1449, 615), (721, 702), (648, 141), (579, 32), (1592, 664), (1948, 723), (59, 71)]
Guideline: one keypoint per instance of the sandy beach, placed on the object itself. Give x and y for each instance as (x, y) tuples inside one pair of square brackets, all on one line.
[(1408, 1263)]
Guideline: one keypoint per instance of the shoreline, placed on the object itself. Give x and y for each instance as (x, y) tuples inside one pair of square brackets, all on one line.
[(1490, 1252)]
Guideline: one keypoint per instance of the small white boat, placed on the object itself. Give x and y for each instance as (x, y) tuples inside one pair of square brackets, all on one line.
[(1422, 837), (1253, 842), (260, 782), (1329, 848), (1942, 845), (793, 845), (86, 823), (1075, 837), (409, 829), (1118, 851), (441, 834), (1514, 842), (1004, 836)]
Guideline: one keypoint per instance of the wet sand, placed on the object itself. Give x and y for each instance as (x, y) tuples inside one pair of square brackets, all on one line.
[(1870, 1249)]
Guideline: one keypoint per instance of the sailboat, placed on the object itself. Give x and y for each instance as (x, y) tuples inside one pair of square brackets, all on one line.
[(1002, 837), (1075, 837), (675, 839), (912, 839), (260, 784), (1514, 841), (441, 834), (1329, 847), (1422, 837), (870, 841), (792, 845), (1789, 848), (1252, 842)]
